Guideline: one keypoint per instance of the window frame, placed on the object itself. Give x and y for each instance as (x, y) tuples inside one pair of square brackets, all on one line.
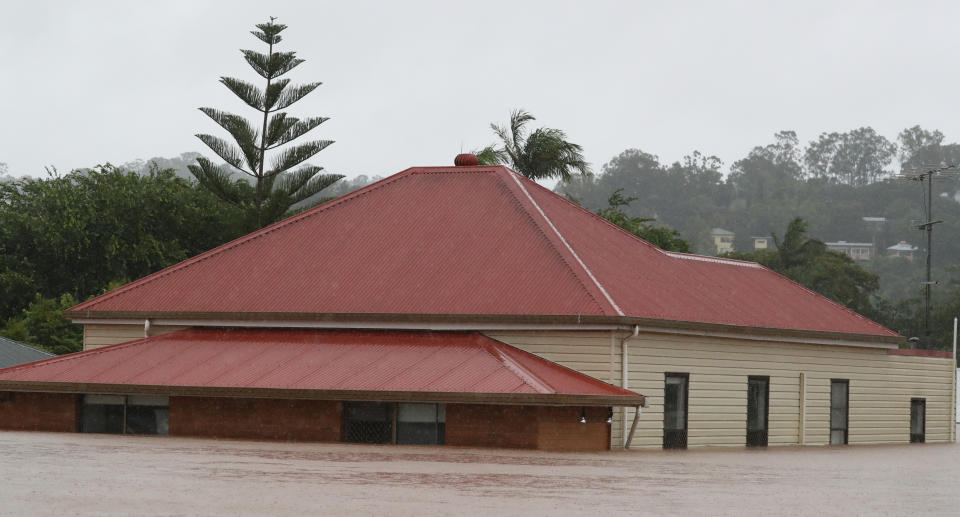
[(920, 437), (667, 442), (846, 428), (766, 411)]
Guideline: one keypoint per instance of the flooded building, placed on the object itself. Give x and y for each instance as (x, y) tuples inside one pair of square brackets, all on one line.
[(468, 305)]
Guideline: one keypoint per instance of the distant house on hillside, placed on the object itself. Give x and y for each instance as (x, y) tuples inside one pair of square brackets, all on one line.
[(761, 243), (722, 239), (855, 250), (13, 353), (902, 249)]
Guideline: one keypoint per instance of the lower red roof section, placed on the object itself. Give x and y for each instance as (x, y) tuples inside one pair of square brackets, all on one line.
[(318, 360)]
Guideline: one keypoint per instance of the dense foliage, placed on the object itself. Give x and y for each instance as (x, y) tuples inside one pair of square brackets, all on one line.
[(659, 236), (66, 238)]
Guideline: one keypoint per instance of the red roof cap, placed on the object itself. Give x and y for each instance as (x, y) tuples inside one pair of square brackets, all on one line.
[(466, 160)]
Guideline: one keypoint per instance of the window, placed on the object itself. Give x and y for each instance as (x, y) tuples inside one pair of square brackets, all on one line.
[(125, 414), (421, 424), (839, 411), (758, 405), (675, 392), (918, 420), (402, 423), (368, 422)]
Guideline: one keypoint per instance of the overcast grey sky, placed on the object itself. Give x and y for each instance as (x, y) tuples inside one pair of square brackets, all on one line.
[(409, 83)]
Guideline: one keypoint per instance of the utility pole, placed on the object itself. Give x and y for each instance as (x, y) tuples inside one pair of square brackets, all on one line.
[(928, 226), (927, 175)]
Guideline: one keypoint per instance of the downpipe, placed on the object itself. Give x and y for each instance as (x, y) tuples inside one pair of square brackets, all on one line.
[(625, 384)]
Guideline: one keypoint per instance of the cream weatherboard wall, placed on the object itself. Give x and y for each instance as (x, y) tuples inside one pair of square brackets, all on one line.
[(881, 385), (97, 335)]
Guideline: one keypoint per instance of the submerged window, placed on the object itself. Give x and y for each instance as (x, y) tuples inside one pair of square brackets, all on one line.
[(675, 393), (839, 411), (402, 423), (918, 420), (758, 404), (367, 422), (125, 414)]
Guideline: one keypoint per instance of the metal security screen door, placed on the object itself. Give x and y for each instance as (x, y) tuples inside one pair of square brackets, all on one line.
[(918, 420), (675, 392), (758, 405), (839, 411)]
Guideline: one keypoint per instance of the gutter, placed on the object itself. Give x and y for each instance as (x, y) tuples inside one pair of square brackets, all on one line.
[(478, 322)]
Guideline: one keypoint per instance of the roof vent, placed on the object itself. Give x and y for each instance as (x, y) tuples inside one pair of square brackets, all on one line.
[(466, 160)]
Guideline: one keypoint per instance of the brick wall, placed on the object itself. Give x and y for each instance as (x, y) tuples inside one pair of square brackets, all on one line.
[(22, 411), (259, 419), (527, 427), (560, 429), (479, 425)]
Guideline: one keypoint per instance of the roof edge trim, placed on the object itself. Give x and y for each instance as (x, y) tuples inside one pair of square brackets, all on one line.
[(528, 399), (474, 322)]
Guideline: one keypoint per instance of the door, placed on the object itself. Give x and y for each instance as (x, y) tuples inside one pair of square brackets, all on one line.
[(675, 410), (839, 411), (918, 420), (758, 405)]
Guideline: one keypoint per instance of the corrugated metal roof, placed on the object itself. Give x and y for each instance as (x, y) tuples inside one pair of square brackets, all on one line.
[(472, 240), (317, 360), (13, 353)]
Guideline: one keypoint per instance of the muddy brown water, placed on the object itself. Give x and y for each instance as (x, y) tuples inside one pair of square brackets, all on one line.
[(74, 474)]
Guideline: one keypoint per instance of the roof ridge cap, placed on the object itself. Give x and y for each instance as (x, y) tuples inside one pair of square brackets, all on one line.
[(243, 239), (715, 260), (515, 176), (529, 378)]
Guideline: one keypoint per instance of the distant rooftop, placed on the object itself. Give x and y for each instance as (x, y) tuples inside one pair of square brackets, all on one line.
[(721, 231), (903, 246), (845, 243), (875, 219), (13, 353)]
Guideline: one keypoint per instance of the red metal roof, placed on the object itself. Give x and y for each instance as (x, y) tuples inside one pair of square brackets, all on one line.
[(317, 360), (472, 240)]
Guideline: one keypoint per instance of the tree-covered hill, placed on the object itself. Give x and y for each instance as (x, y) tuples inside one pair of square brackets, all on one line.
[(832, 183)]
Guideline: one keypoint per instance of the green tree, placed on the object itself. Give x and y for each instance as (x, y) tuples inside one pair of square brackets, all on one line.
[(276, 188), (540, 154), (42, 325), (78, 232), (856, 157), (659, 236)]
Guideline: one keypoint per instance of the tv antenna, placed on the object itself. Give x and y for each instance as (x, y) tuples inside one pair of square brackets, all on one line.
[(926, 175)]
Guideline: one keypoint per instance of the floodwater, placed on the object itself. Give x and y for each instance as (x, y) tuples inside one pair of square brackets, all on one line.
[(58, 474)]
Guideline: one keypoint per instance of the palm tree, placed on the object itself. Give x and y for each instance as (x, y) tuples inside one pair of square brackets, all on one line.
[(796, 249), (540, 154)]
